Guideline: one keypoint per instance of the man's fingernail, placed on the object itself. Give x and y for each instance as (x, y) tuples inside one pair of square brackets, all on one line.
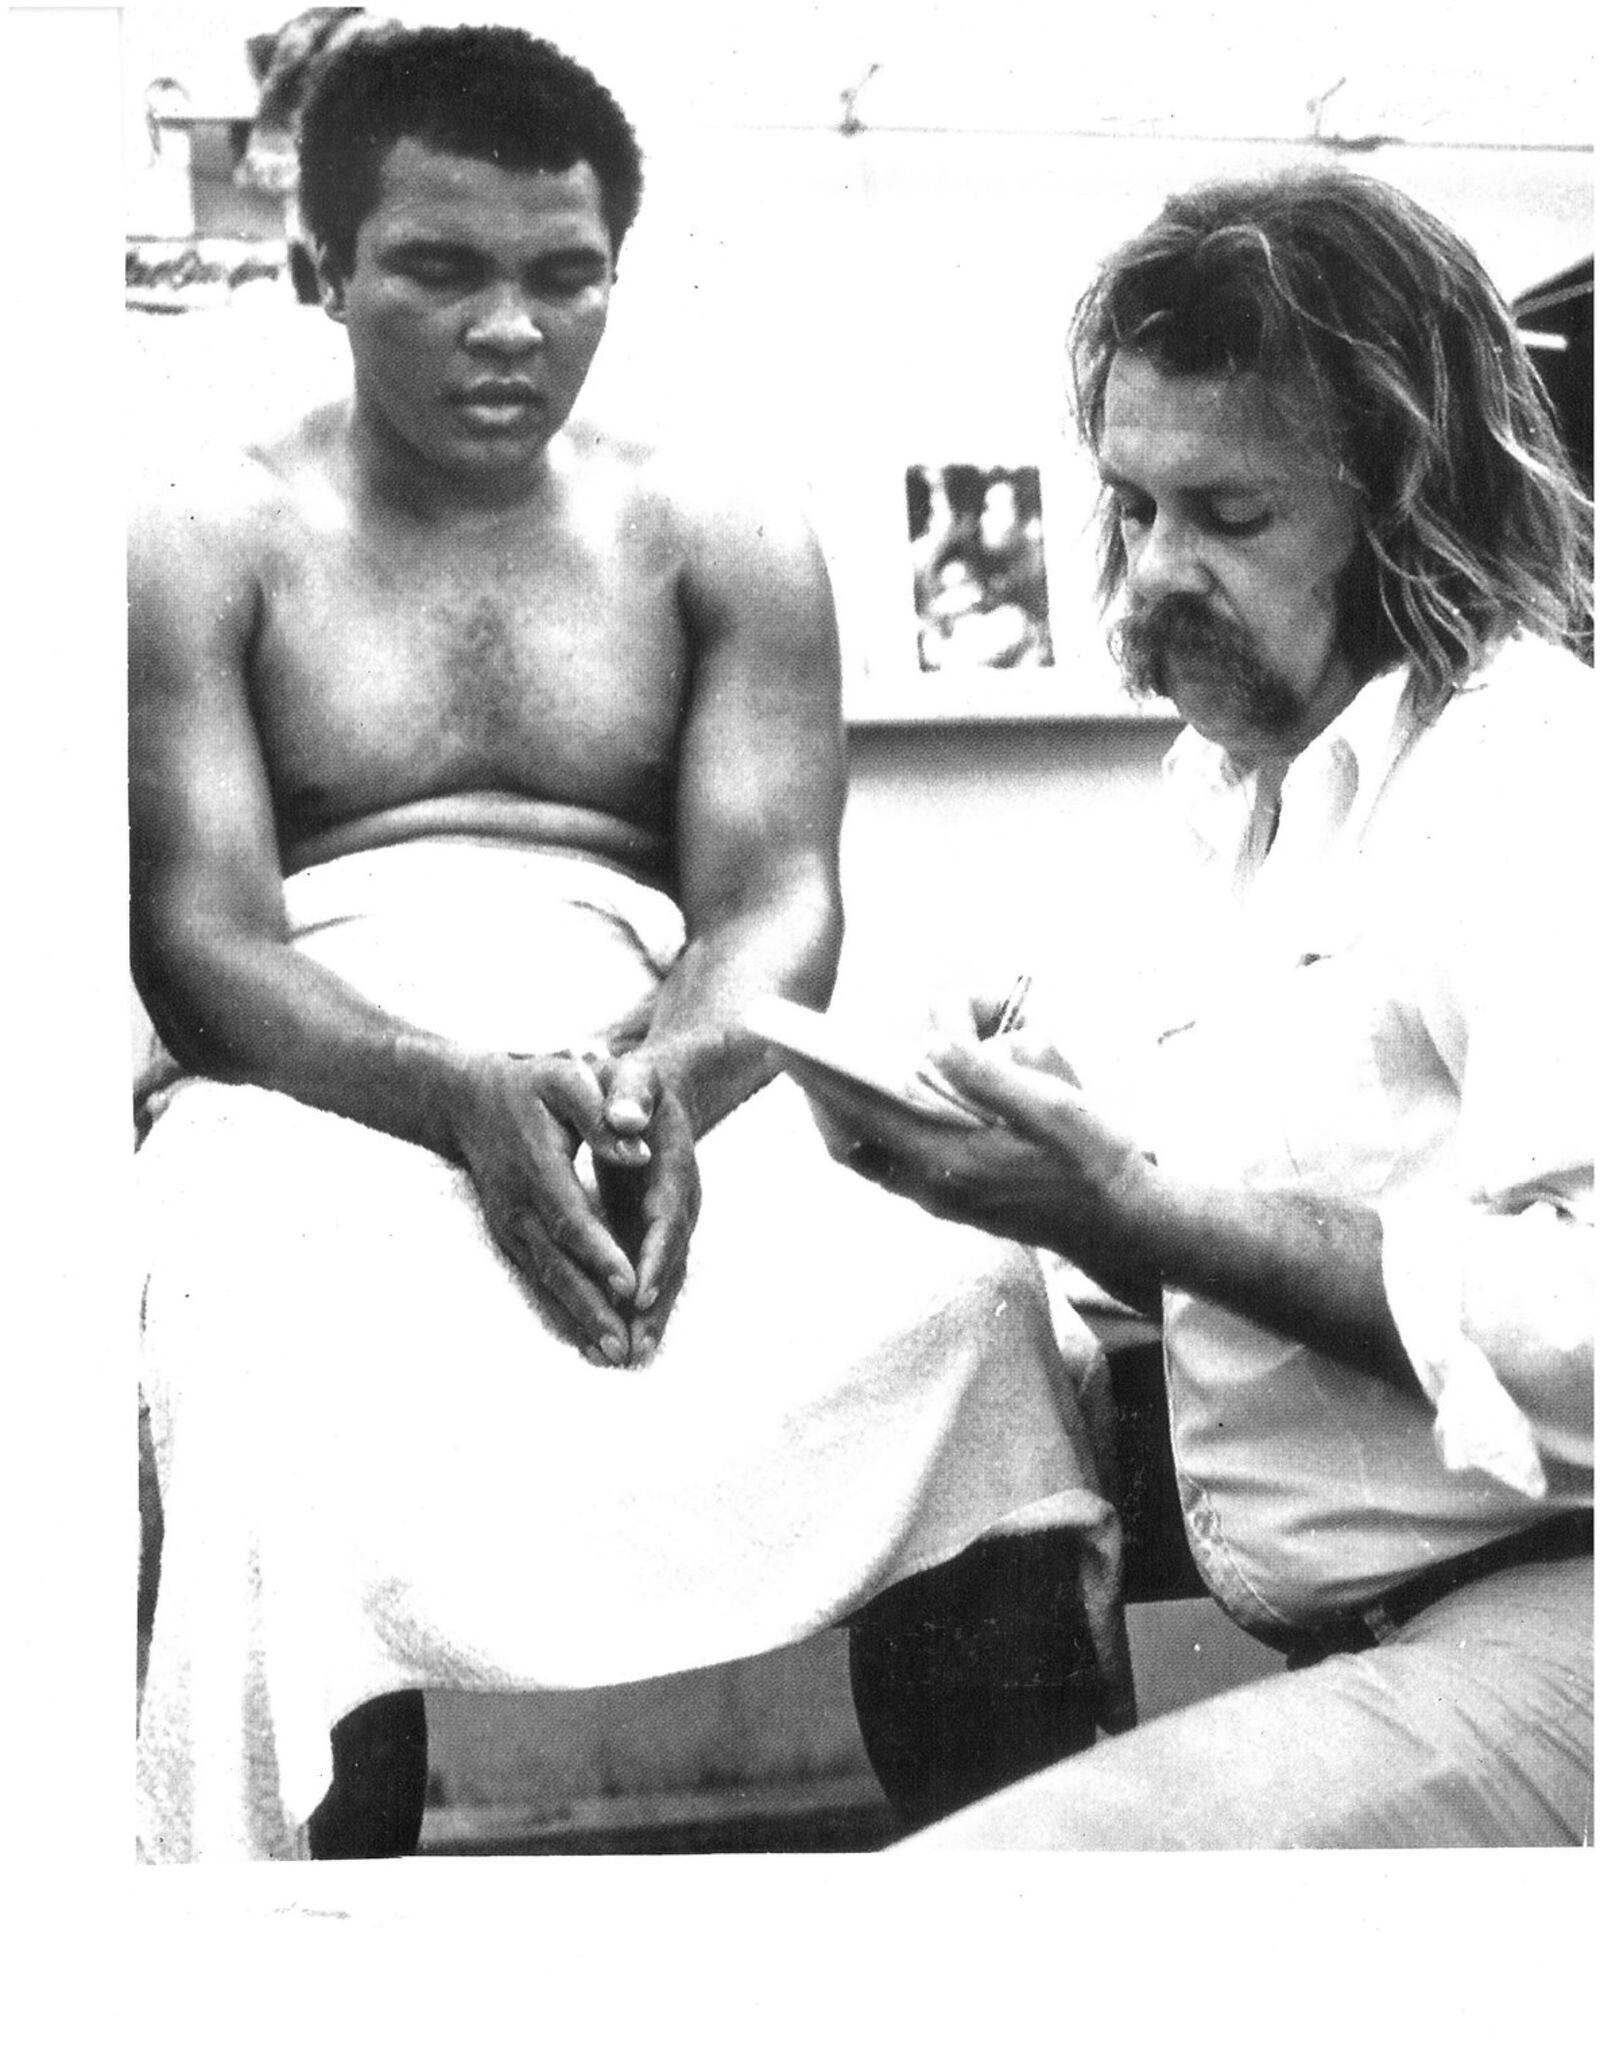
[(619, 1286), (615, 1351), (645, 1300)]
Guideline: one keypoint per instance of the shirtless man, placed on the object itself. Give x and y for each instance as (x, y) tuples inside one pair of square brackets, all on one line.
[(445, 607), (341, 646)]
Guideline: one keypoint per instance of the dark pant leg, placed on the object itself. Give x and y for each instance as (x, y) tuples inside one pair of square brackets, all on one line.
[(974, 1674), (373, 1808), (981, 1671)]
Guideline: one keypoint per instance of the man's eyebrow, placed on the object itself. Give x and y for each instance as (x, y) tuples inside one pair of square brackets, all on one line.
[(434, 247), (1221, 485), (422, 244)]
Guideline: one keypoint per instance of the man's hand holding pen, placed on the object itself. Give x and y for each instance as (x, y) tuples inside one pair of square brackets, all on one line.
[(1040, 1165), (998, 1025), (1048, 1169)]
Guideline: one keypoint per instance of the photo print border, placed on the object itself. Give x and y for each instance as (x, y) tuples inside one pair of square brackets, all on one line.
[(968, 591)]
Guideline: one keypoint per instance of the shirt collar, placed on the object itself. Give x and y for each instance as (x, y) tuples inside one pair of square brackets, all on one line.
[(1217, 796), (1369, 728)]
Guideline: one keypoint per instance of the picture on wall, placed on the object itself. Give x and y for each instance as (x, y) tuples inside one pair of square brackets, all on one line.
[(978, 579), (966, 588)]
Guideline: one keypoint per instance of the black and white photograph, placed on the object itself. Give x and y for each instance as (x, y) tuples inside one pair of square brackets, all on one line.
[(977, 555), (806, 844)]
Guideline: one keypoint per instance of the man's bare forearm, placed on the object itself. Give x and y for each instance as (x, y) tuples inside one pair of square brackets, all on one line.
[(695, 1039), (261, 1013), (1305, 1265)]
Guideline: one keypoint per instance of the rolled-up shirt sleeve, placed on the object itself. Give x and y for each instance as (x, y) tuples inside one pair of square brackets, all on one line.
[(1489, 1252), (1494, 1302)]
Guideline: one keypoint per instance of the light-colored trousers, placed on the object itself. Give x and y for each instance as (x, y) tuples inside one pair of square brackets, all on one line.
[(1472, 1726)]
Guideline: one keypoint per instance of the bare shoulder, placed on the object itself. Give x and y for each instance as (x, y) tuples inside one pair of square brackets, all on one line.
[(731, 521), (218, 507), (199, 511), (193, 582), (203, 528)]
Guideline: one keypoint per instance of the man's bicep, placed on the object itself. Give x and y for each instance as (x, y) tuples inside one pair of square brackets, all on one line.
[(761, 779), (203, 832)]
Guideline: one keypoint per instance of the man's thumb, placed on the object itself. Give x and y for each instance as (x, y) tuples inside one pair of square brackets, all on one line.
[(630, 1100)]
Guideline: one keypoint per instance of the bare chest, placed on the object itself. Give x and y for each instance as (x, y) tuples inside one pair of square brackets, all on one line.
[(556, 676)]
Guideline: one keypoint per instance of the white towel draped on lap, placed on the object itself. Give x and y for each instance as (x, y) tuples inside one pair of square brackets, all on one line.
[(379, 1468)]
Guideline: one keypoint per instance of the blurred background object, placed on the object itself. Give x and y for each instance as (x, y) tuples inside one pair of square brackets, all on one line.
[(239, 172), (1556, 319), (978, 570), (287, 64)]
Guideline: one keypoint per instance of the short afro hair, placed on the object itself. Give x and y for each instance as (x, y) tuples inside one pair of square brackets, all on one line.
[(492, 93)]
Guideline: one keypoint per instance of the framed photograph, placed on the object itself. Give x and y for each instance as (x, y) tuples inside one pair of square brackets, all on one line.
[(971, 593), (981, 593)]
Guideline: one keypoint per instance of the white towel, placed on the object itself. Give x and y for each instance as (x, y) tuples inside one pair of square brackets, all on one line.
[(380, 1470)]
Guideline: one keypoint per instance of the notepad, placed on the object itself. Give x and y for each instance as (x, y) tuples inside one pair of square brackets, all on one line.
[(864, 1055)]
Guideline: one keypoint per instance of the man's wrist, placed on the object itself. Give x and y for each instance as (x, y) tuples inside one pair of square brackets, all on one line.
[(708, 1075), (1135, 1221), (445, 1081)]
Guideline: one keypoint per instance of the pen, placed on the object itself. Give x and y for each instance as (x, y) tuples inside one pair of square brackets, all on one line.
[(1016, 1000)]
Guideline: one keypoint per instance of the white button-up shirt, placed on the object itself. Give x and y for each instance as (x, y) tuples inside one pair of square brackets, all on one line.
[(1386, 996)]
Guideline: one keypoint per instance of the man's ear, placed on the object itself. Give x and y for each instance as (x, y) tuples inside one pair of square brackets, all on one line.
[(330, 285)]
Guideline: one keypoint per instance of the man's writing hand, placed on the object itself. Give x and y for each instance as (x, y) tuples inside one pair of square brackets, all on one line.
[(1006, 1032), (1048, 1171), (1000, 1027), (518, 1124), (650, 1183), (1037, 1100)]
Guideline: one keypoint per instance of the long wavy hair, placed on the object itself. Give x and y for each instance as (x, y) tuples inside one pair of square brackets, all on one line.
[(1364, 312)]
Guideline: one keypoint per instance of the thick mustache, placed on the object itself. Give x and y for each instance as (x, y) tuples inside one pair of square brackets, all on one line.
[(1176, 628), (1174, 622)]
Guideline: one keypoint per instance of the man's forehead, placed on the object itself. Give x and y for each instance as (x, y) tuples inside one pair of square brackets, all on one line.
[(441, 188), (1232, 424)]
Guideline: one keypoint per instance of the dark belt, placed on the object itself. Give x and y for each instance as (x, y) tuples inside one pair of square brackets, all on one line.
[(1557, 1538)]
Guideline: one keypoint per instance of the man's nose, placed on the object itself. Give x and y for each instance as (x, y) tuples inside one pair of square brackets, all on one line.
[(1167, 560), (505, 321)]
